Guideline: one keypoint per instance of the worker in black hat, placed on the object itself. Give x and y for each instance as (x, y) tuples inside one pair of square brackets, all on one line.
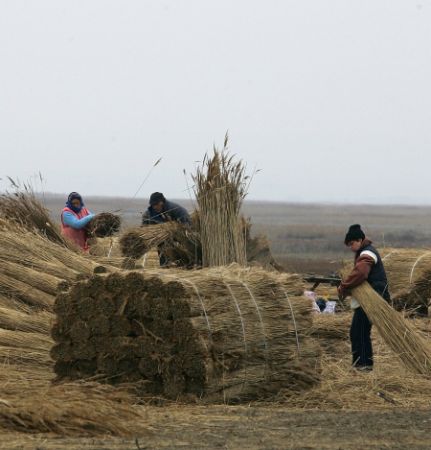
[(368, 267), (161, 210)]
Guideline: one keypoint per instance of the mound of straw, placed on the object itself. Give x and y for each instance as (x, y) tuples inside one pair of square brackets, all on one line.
[(179, 244), (104, 224), (25, 210), (409, 277), (220, 187), (67, 410), (224, 336), (402, 338)]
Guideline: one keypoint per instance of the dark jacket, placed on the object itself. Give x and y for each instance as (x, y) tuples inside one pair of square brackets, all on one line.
[(172, 212), (368, 267)]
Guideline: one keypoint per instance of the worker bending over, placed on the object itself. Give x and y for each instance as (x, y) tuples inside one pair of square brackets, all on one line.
[(161, 210)]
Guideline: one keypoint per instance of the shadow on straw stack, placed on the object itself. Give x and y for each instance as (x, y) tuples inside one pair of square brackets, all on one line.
[(403, 339)]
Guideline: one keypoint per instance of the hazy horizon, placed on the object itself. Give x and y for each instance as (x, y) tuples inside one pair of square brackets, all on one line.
[(331, 100)]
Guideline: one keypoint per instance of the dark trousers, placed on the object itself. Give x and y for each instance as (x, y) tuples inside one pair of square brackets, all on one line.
[(360, 337)]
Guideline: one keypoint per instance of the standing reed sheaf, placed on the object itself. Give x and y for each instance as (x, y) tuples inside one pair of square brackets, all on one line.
[(220, 188)]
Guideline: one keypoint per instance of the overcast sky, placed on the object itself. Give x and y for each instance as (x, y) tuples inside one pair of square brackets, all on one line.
[(330, 98)]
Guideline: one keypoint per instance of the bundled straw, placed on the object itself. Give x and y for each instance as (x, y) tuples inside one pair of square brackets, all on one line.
[(70, 409), (104, 224), (178, 243), (18, 317), (24, 209), (400, 335), (409, 278), (224, 335), (138, 241), (220, 187)]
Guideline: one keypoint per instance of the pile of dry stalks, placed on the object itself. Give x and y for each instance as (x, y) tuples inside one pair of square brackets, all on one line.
[(225, 335), (220, 188), (24, 210), (409, 278), (104, 224), (179, 244)]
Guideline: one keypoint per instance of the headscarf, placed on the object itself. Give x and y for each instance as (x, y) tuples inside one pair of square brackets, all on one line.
[(74, 196)]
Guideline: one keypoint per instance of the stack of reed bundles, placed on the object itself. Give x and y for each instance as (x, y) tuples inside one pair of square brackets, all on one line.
[(225, 336), (409, 278)]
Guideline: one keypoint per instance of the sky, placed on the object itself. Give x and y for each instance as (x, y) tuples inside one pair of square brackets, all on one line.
[(330, 100)]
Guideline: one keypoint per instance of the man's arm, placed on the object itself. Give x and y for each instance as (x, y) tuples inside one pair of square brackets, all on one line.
[(182, 215), (358, 275)]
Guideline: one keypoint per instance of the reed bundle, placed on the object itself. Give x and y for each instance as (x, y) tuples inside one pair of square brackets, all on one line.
[(179, 244), (27, 246), (16, 316), (88, 409), (104, 224), (25, 210), (24, 292), (24, 348), (138, 241), (220, 187), (403, 339), (409, 278), (222, 338), (41, 281)]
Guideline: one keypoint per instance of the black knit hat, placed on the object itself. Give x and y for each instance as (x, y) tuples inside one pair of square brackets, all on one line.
[(355, 233), (156, 197)]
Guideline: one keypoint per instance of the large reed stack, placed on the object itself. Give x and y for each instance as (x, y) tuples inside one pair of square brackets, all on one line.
[(224, 336), (220, 187)]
